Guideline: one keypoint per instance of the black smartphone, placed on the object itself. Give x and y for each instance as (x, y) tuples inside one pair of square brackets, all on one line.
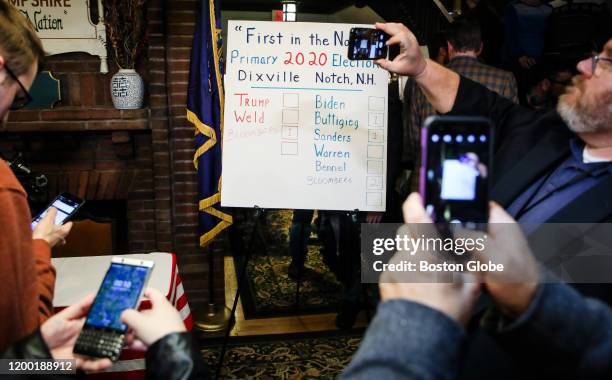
[(103, 333), (66, 205), (367, 43), (457, 161)]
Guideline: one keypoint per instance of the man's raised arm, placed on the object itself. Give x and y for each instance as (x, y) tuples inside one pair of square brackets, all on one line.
[(439, 84), (449, 93)]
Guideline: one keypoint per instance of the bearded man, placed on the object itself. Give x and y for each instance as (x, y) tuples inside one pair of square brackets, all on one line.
[(549, 167), (553, 167)]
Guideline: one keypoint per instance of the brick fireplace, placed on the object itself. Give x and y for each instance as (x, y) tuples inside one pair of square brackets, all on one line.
[(141, 159)]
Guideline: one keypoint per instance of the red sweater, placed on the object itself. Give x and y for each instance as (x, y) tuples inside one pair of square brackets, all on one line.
[(28, 278)]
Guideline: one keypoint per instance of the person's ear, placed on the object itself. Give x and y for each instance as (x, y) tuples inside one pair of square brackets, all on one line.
[(443, 53), (545, 84), (3, 72), (450, 49), (479, 51)]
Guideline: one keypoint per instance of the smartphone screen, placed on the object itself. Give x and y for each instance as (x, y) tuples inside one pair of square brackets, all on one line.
[(367, 43), (456, 170), (120, 290), (65, 204)]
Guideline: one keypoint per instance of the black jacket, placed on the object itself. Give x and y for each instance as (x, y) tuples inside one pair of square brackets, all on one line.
[(31, 347), (174, 357), (528, 145)]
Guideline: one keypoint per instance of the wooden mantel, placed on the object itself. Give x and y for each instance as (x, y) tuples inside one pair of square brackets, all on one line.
[(73, 119)]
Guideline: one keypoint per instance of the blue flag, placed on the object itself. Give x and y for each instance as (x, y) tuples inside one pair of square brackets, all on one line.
[(205, 112)]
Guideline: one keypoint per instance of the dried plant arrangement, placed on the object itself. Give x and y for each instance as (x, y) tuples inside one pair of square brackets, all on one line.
[(126, 26)]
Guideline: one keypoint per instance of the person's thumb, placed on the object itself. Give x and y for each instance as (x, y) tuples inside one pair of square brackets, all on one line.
[(500, 222), (498, 215), (384, 63), (65, 229), (413, 210), (133, 319)]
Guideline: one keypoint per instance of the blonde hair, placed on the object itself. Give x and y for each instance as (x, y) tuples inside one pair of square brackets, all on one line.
[(19, 44)]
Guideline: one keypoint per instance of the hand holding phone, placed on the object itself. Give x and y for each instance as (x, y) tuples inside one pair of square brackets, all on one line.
[(410, 60), (66, 206), (104, 333), (151, 325), (47, 230), (60, 333)]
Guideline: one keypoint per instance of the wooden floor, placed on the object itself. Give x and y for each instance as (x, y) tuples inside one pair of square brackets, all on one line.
[(280, 325)]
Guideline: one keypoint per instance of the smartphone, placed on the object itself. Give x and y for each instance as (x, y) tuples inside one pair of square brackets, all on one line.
[(456, 169), (66, 205), (367, 43), (103, 333)]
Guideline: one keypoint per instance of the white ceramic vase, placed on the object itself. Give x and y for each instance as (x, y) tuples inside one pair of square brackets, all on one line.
[(127, 90)]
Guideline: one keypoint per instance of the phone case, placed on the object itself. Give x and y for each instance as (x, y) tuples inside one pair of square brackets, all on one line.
[(80, 202), (432, 122)]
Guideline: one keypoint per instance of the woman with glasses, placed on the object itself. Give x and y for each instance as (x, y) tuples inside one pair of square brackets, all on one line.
[(25, 255)]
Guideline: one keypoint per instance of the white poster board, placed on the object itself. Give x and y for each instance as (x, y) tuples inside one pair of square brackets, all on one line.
[(65, 26), (305, 128)]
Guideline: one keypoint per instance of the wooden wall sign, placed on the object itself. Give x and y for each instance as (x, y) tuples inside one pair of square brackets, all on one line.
[(66, 26)]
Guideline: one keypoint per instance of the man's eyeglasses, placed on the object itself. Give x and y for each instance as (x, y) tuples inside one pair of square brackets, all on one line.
[(23, 97), (595, 58)]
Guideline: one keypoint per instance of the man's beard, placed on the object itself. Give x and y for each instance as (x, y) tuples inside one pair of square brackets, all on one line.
[(583, 117)]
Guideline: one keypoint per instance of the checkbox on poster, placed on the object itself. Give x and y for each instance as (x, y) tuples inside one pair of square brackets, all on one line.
[(375, 167), (376, 103), (376, 136), (290, 116), (375, 151), (374, 199), (289, 148), (291, 100), (289, 132), (376, 119), (374, 182)]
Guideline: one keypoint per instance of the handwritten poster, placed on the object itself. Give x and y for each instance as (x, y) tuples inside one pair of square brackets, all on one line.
[(305, 127)]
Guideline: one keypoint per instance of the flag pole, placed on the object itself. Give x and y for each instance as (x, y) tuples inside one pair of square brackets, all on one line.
[(205, 112), (216, 316)]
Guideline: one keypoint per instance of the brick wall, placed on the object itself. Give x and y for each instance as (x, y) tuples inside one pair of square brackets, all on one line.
[(170, 52), (85, 137)]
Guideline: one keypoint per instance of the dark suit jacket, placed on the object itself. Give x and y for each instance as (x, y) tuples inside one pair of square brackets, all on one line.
[(528, 145)]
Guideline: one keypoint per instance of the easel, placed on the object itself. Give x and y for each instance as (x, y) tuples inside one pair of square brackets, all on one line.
[(256, 234), (354, 219), (301, 268)]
